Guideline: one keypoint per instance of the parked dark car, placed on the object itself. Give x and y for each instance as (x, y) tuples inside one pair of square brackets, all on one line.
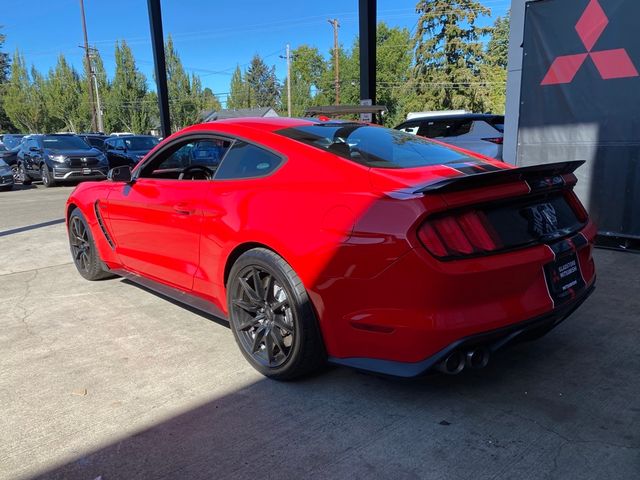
[(96, 140), (6, 176), (9, 151), (480, 133), (128, 150), (58, 158)]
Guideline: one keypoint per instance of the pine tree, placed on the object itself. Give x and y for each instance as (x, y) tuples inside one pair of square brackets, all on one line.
[(63, 96), (238, 97), (210, 101), (262, 84), (23, 102), (5, 123), (184, 92), (126, 107), (498, 45), (449, 53)]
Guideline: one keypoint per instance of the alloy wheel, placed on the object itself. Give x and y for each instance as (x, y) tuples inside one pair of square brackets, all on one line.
[(44, 173), (80, 245), (263, 316), (16, 173)]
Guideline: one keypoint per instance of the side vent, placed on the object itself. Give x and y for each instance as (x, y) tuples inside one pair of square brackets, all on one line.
[(96, 209)]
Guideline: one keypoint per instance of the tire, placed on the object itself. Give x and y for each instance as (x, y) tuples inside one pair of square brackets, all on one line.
[(47, 178), (83, 249), (271, 317), (24, 178), (15, 170)]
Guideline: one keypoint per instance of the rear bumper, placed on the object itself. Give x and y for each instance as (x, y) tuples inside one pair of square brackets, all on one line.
[(493, 340)]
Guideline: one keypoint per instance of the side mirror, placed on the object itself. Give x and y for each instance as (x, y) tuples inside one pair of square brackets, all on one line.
[(120, 174), (34, 149), (120, 147)]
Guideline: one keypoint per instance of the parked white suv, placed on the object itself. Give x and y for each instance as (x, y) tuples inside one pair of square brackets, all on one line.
[(478, 132)]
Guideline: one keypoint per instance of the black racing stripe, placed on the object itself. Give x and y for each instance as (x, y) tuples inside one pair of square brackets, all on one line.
[(472, 168)]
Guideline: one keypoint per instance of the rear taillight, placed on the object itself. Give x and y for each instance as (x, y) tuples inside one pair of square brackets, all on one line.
[(577, 207), (496, 140), (463, 234)]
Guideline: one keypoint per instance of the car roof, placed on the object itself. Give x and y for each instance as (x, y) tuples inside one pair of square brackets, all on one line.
[(263, 123)]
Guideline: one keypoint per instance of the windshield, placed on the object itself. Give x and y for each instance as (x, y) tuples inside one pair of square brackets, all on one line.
[(64, 142), (374, 146), (140, 143), (11, 141)]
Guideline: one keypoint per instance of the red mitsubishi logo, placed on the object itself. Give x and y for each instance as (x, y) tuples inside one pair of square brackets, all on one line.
[(610, 63)]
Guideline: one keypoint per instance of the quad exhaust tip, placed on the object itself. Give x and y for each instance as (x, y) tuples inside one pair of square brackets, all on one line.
[(457, 360)]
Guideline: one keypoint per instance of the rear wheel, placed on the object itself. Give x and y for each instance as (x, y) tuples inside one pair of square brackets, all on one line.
[(23, 176), (47, 177), (271, 317), (83, 249)]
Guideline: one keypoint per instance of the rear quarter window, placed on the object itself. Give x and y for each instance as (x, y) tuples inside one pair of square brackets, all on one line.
[(245, 160)]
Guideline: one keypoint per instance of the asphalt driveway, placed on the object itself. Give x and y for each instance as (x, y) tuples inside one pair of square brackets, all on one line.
[(108, 380)]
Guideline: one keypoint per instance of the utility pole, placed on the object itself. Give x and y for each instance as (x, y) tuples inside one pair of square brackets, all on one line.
[(336, 25), (288, 58), (95, 84), (88, 60)]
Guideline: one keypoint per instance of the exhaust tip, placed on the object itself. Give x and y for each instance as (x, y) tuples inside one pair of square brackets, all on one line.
[(477, 358), (453, 364)]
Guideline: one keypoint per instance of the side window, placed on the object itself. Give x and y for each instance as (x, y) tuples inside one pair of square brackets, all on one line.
[(411, 128), (247, 161), (445, 128), (204, 153), (433, 129), (118, 143)]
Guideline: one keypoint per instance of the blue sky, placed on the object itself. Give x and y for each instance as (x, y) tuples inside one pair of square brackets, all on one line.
[(211, 36)]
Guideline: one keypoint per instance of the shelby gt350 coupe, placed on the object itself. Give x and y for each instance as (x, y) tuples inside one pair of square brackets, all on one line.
[(343, 242)]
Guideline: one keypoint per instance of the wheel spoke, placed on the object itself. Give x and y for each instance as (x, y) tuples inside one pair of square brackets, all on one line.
[(277, 306), (279, 341), (257, 340), (257, 282), (268, 345), (279, 321), (251, 293), (246, 306), (268, 287)]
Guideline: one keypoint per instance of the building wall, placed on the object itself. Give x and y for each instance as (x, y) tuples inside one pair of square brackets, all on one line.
[(514, 74)]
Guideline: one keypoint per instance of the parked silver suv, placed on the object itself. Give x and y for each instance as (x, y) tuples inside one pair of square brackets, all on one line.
[(481, 133)]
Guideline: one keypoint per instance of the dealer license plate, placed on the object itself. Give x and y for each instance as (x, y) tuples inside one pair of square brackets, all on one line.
[(86, 171), (564, 277)]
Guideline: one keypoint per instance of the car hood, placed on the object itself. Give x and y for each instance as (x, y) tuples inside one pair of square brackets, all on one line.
[(74, 153)]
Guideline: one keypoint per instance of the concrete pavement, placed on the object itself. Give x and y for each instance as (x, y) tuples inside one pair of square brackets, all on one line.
[(106, 379)]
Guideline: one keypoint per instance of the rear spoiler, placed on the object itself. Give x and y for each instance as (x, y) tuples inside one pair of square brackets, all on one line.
[(550, 174)]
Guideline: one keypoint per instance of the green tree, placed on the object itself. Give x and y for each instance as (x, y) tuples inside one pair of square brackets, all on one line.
[(449, 54), (238, 97), (307, 68), (498, 45), (210, 101), (5, 123), (126, 106), (63, 97), (23, 102), (262, 84), (185, 93)]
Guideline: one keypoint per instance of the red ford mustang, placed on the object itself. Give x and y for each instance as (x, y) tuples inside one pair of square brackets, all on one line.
[(345, 242)]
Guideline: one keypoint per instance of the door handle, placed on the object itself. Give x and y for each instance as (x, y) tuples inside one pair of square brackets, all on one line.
[(182, 209)]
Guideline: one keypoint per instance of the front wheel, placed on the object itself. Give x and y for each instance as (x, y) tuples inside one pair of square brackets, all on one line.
[(47, 177), (15, 170), (271, 317), (23, 176), (83, 249)]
